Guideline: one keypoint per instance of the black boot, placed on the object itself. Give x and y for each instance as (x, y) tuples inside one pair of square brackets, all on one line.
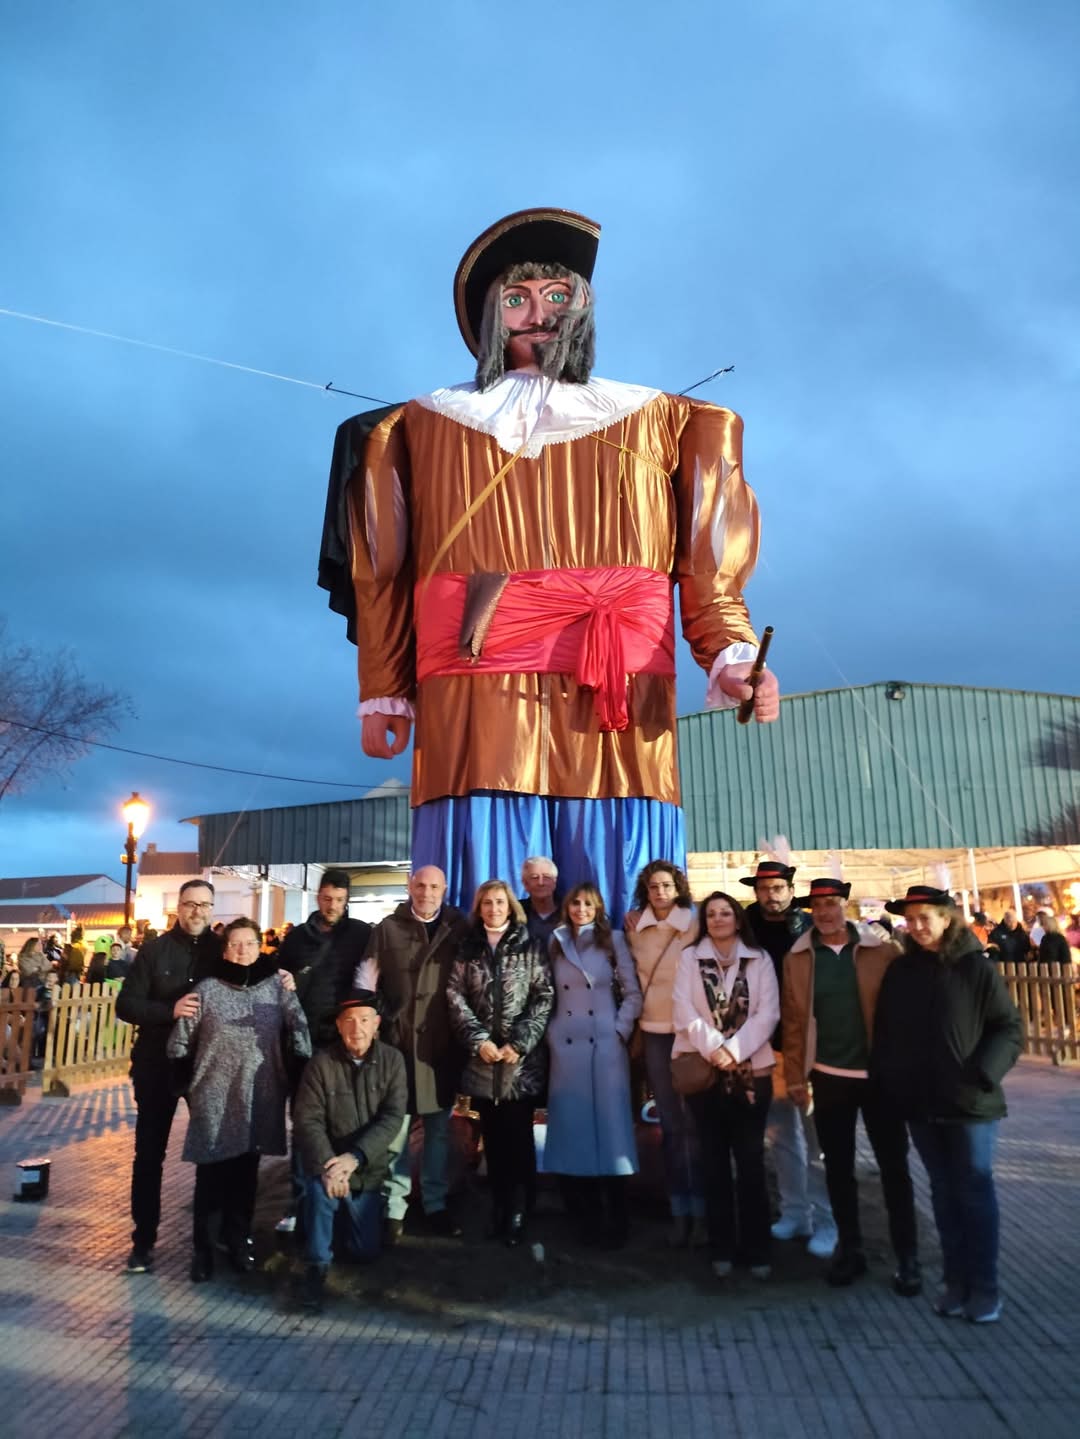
[(515, 1229), (617, 1226), (500, 1217), (848, 1264), (202, 1265), (314, 1284), (242, 1256), (908, 1277)]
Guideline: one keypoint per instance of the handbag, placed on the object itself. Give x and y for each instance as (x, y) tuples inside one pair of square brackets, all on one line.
[(692, 1074)]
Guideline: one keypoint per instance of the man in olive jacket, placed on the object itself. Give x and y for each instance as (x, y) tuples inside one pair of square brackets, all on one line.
[(348, 1111), (408, 962)]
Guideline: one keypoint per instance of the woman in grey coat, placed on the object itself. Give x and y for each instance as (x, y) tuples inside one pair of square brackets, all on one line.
[(235, 1047), (590, 1134)]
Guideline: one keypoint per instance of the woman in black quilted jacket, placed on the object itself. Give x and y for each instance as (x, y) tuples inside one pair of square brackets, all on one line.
[(500, 997)]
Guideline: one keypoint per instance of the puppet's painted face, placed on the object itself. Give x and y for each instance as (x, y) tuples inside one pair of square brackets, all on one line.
[(531, 311)]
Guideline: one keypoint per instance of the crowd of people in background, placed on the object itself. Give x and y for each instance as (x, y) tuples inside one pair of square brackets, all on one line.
[(769, 1027)]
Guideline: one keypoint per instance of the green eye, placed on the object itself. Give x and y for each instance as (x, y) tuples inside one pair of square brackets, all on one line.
[(558, 297), (512, 302)]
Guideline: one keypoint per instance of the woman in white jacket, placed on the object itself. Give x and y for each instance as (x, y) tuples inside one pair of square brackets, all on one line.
[(726, 1006)]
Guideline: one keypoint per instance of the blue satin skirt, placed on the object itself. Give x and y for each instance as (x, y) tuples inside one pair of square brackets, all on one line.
[(490, 833)]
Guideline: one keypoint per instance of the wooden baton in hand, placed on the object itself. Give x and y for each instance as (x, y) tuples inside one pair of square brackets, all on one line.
[(746, 709)]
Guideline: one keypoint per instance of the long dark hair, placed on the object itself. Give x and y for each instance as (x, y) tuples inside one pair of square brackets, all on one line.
[(601, 922), (742, 923), (682, 885)]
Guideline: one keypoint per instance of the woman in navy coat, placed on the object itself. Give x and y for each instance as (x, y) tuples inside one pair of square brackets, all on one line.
[(590, 1136)]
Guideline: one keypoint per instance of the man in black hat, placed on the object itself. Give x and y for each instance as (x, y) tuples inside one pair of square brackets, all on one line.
[(832, 977), (805, 1213), (506, 549), (348, 1111)]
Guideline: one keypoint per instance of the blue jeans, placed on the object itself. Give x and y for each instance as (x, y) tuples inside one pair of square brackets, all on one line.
[(804, 1199), (354, 1223), (682, 1148), (959, 1160), (433, 1164)]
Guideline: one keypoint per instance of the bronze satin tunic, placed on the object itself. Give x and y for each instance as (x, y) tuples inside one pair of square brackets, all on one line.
[(662, 488)]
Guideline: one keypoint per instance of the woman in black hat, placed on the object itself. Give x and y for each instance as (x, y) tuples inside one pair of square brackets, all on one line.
[(945, 1035)]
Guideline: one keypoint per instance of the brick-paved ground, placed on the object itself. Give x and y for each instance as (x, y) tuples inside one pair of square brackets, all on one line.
[(445, 1339)]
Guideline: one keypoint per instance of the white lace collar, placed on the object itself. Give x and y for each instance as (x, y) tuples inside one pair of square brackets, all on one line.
[(531, 411)]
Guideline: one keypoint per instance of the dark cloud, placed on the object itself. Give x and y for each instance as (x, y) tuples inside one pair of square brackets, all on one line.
[(873, 214)]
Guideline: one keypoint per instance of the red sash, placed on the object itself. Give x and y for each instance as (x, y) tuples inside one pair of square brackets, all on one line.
[(600, 625)]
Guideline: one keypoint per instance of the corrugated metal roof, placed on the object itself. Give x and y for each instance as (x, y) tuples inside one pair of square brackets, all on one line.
[(940, 767), (943, 767), (34, 915), (351, 831), (92, 916), (44, 886)]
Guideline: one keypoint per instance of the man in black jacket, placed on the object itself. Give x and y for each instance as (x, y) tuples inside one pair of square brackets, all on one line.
[(322, 954), (349, 1108), (805, 1213), (1010, 940), (156, 991)]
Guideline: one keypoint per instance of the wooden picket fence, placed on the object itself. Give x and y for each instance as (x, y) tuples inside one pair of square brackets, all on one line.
[(85, 1038), (18, 1008), (1045, 995)]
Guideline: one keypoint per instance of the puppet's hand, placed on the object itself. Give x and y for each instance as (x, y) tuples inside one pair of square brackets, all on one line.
[(374, 732), (732, 681)]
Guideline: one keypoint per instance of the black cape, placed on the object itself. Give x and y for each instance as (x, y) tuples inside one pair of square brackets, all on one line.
[(335, 567)]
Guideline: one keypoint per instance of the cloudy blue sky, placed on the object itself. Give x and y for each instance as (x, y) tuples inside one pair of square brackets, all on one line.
[(871, 210)]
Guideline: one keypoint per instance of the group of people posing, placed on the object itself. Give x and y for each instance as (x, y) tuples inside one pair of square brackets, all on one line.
[(747, 1024)]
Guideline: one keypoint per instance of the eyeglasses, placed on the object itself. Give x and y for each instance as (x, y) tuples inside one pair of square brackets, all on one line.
[(206, 906)]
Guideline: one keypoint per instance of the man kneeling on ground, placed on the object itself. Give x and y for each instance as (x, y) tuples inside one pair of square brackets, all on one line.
[(349, 1108)]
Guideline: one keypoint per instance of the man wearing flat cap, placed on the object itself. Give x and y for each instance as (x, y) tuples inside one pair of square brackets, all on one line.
[(507, 551), (348, 1111)]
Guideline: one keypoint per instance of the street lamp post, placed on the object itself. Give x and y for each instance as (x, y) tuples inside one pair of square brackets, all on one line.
[(136, 812)]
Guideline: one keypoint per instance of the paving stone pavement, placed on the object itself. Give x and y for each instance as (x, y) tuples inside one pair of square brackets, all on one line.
[(450, 1339)]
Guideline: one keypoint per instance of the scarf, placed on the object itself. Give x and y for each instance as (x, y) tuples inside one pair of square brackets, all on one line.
[(729, 1013), (242, 976)]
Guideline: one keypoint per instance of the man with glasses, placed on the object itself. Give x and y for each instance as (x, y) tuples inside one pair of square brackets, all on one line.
[(156, 992)]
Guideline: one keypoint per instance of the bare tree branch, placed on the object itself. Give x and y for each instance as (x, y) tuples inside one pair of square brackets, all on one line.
[(49, 714)]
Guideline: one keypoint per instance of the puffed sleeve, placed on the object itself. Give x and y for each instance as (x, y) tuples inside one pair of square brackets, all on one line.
[(717, 533), (382, 564)]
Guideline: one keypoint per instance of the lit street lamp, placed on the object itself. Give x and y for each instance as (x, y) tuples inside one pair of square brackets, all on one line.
[(136, 812)]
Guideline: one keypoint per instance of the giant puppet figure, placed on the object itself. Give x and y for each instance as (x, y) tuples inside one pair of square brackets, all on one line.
[(508, 551)]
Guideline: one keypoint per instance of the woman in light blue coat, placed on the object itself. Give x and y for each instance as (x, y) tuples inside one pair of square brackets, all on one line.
[(590, 1136)]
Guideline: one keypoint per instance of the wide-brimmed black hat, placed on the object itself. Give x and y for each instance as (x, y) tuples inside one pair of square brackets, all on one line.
[(360, 999), (770, 869), (824, 889), (556, 237), (921, 894)]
